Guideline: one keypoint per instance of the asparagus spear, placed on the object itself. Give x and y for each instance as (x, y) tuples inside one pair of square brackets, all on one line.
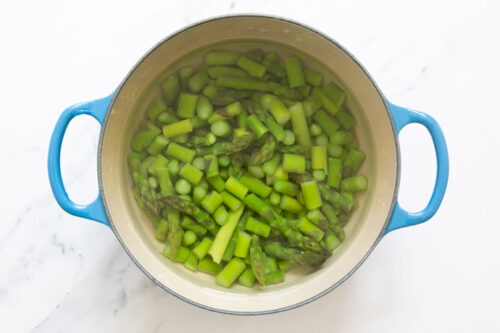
[(294, 237), (296, 256), (335, 198), (264, 116), (264, 153), (241, 140), (189, 208), (257, 257)]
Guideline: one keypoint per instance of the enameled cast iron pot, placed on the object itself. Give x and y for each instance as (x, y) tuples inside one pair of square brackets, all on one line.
[(378, 125)]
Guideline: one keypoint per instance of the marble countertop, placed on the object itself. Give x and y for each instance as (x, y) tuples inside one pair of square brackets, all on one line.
[(60, 273)]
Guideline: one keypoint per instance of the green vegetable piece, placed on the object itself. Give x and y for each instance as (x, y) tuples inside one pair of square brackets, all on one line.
[(187, 223), (276, 107), (199, 163), (191, 174), (290, 204), (289, 138), (242, 244), (309, 229), (271, 265), (241, 83), (305, 91), (355, 184), (312, 77), (213, 166), (189, 238), (158, 144), (275, 199), (210, 92), (335, 150), (319, 175), (211, 202), (198, 81), (257, 259), (256, 171), (230, 201), (179, 152), (220, 128), (186, 206), (181, 255), (235, 187), (325, 101), (171, 88), (352, 162), (294, 163), (223, 236), (260, 207), (258, 128), (247, 279), (285, 265), (332, 241), (221, 58), (191, 262), (207, 265), (216, 71), (328, 124), (270, 166), (167, 117), (255, 226), (201, 250), (221, 215), (187, 105), (217, 183), (256, 186), (173, 167), (321, 140), (230, 273), (310, 193), (182, 186), (275, 277), (285, 187), (294, 72), (315, 130), (156, 108), (345, 119), (204, 109), (318, 158), (143, 139), (251, 67), (161, 230), (341, 138), (335, 95), (311, 105), (334, 172), (159, 161)]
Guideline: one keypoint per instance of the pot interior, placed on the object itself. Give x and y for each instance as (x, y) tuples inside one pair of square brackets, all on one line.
[(373, 129)]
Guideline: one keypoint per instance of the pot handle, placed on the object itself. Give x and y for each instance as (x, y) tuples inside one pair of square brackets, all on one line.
[(400, 217), (94, 210)]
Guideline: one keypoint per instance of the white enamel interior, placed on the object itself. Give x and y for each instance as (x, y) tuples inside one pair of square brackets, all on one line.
[(374, 132)]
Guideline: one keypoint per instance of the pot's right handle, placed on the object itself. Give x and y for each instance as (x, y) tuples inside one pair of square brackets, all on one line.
[(400, 217), (94, 210)]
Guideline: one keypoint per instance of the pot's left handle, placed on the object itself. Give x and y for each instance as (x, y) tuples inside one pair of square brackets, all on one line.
[(94, 210)]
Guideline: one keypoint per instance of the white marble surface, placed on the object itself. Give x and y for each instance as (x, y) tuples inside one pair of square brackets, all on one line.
[(60, 273)]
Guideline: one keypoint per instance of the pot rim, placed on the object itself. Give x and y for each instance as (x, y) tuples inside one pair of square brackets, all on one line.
[(210, 308)]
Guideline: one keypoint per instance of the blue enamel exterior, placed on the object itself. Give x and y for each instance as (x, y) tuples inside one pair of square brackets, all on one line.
[(95, 210), (402, 117)]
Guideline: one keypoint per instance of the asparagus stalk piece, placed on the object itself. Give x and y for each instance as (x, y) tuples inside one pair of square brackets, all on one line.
[(189, 208), (295, 256), (257, 258), (264, 153)]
